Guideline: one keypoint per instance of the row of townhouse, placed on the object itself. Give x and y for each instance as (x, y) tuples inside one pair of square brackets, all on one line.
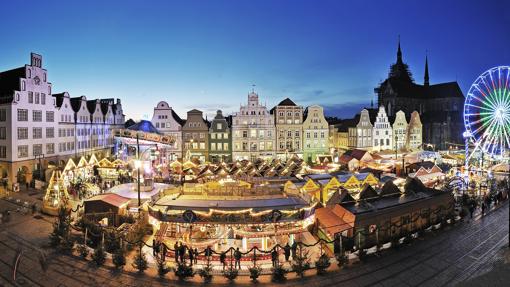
[(373, 130), (253, 132), (39, 128)]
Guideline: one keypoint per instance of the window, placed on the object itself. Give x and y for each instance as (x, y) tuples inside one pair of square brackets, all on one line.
[(43, 99), (3, 133), (30, 97), (22, 133), (213, 146), (37, 149), (202, 145), (219, 126), (213, 136), (253, 133), (3, 115), (22, 151), (245, 134), (50, 148), (37, 133), (50, 116), (50, 133), (225, 135), (22, 115), (37, 98), (225, 146), (37, 116), (3, 151)]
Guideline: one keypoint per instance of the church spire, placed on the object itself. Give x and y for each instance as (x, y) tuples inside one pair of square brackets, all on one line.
[(399, 52), (426, 77)]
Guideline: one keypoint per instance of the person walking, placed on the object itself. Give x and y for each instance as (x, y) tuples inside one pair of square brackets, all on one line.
[(237, 256), (223, 256), (195, 255), (294, 249), (483, 208), (208, 253), (191, 256), (182, 253), (286, 251), (176, 251), (274, 257)]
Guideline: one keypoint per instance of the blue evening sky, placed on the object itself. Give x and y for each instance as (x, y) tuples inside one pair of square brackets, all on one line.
[(208, 54)]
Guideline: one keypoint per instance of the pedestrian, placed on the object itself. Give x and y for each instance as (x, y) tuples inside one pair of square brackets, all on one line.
[(223, 256), (471, 209), (163, 253), (196, 255), (182, 253), (27, 184), (483, 208), (191, 256), (274, 257), (176, 251), (286, 251), (294, 249), (208, 253), (237, 256)]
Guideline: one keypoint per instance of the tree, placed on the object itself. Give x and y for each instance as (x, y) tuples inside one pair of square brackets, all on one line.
[(83, 251), (322, 264), (231, 273), (162, 269), (119, 259), (99, 255), (140, 262), (60, 237), (206, 272), (279, 274), (183, 271), (301, 262), (255, 273)]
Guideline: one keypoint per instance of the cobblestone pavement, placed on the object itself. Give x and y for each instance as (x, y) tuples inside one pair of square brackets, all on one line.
[(462, 254)]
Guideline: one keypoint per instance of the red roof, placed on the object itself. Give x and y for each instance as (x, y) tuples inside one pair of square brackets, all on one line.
[(110, 198)]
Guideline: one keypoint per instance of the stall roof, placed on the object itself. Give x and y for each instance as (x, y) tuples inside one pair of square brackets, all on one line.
[(110, 198)]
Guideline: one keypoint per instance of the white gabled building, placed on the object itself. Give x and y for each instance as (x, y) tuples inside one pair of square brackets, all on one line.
[(382, 133), (400, 131), (38, 127), (166, 120), (360, 136), (253, 131)]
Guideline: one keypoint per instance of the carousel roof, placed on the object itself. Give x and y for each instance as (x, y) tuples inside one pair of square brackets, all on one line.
[(144, 126)]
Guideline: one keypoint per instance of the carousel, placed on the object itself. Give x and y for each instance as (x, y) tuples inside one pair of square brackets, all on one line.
[(224, 215)]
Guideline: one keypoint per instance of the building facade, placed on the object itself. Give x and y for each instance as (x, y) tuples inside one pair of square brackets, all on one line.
[(195, 137), (289, 128), (166, 120), (360, 137), (414, 132), (38, 128), (400, 131), (315, 132), (253, 131), (220, 139), (440, 105), (383, 133)]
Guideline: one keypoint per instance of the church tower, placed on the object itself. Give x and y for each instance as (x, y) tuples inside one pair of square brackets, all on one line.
[(400, 70), (426, 77)]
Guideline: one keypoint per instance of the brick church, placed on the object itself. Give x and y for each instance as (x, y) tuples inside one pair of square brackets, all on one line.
[(440, 105)]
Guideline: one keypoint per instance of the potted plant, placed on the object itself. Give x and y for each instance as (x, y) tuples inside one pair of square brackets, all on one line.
[(119, 259), (301, 263), (231, 274), (206, 272), (99, 255), (255, 273), (279, 274), (183, 271)]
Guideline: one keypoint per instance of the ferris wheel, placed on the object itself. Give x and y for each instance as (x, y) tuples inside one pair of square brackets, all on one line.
[(487, 113)]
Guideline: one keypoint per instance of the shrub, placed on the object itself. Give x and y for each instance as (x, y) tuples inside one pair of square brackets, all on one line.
[(206, 272), (83, 251), (119, 259), (162, 269), (279, 274), (342, 259), (301, 263), (322, 264), (66, 245), (255, 273), (140, 262), (183, 271), (231, 274), (99, 256)]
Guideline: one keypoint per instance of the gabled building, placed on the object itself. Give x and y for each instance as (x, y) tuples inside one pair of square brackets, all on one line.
[(289, 128), (38, 128), (360, 137), (400, 131), (414, 132), (195, 136), (168, 122), (220, 139), (253, 131), (382, 132), (316, 133)]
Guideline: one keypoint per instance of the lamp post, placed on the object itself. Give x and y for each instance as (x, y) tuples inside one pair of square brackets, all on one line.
[(138, 164), (396, 149)]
